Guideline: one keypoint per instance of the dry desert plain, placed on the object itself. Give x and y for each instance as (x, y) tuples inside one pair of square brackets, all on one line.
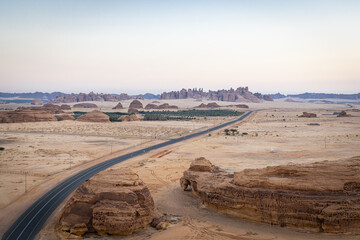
[(275, 135)]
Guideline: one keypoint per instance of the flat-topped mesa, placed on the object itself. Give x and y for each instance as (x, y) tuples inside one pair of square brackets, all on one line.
[(323, 196), (114, 202)]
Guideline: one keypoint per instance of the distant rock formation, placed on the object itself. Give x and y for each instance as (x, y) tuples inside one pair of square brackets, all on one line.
[(167, 106), (94, 116), (27, 115), (265, 97), (129, 118), (343, 114), (37, 102), (231, 95), (113, 202), (308, 115), (64, 117), (151, 106), (85, 105), (83, 97), (118, 106), (323, 196), (65, 107), (136, 104), (209, 105)]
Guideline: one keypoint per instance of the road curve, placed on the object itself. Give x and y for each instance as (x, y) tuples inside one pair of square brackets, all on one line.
[(31, 221)]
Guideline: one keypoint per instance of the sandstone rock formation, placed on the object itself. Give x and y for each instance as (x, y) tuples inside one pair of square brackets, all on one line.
[(26, 115), (82, 97), (64, 117), (308, 115), (151, 106), (65, 107), (232, 95), (85, 105), (94, 116), (37, 102), (167, 106), (136, 104), (343, 114), (209, 105), (323, 196), (118, 106), (133, 110), (242, 106), (129, 118), (114, 202), (202, 105)]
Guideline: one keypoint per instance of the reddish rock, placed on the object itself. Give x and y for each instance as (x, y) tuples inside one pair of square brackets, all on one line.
[(114, 202), (151, 106), (37, 102), (242, 106), (118, 106), (26, 115), (213, 105), (136, 104), (85, 105), (308, 115), (65, 107), (129, 118), (94, 116), (203, 105), (284, 195)]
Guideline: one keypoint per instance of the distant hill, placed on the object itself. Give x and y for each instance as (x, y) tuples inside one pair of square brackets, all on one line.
[(319, 96), (39, 95), (147, 96)]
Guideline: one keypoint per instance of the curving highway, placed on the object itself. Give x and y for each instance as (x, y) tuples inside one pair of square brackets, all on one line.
[(31, 221)]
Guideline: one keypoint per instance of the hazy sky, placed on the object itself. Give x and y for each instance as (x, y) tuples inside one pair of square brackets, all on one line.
[(152, 46)]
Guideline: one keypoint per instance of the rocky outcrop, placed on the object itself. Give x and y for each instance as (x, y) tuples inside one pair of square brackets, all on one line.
[(343, 114), (133, 110), (308, 115), (129, 118), (151, 106), (85, 105), (323, 196), (26, 115), (37, 102), (64, 117), (94, 116), (114, 202), (264, 97), (65, 107), (232, 95), (136, 104), (118, 106), (167, 106), (209, 105), (241, 106)]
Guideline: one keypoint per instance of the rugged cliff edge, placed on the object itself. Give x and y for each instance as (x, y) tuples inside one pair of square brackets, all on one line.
[(323, 196)]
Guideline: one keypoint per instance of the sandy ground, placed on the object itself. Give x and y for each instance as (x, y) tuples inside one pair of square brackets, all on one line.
[(274, 136)]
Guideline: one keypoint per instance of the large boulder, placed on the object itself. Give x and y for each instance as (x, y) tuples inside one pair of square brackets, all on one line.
[(136, 104), (94, 116), (323, 196), (343, 114), (114, 202), (118, 106), (85, 105)]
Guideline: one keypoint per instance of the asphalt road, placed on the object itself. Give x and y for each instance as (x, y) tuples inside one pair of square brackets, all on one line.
[(31, 221)]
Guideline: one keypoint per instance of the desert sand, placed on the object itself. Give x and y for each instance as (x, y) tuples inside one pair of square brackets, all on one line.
[(270, 137)]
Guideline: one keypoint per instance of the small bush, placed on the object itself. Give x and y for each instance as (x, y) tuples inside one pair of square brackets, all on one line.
[(2, 148)]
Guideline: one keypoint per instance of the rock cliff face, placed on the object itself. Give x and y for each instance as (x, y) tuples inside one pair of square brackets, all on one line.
[(232, 95), (323, 196), (94, 116), (112, 202)]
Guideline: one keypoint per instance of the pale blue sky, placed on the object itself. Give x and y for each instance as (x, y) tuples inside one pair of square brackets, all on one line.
[(153, 46)]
